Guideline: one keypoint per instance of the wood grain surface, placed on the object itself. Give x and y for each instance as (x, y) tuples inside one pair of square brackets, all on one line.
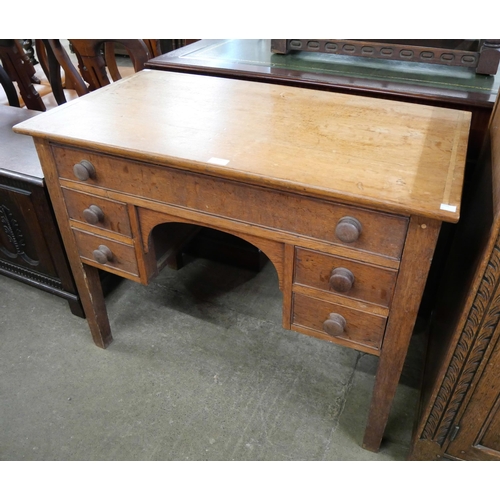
[(394, 156)]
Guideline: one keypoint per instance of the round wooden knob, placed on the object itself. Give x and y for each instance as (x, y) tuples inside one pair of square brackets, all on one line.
[(348, 229), (93, 214), (84, 170), (334, 325), (341, 280), (103, 254)]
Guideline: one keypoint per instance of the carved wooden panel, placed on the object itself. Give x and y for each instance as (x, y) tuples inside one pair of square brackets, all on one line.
[(30, 246), (21, 236), (13, 244), (483, 55), (473, 343)]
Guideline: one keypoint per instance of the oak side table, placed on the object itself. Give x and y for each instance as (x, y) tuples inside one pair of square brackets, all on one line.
[(344, 194)]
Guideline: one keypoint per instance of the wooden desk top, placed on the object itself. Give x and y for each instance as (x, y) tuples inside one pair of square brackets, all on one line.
[(389, 155)]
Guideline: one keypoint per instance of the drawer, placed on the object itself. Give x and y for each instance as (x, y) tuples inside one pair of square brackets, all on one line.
[(121, 258), (97, 211), (358, 327), (344, 277), (343, 225)]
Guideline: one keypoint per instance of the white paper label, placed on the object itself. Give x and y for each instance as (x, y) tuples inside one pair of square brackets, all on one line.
[(218, 161), (448, 208)]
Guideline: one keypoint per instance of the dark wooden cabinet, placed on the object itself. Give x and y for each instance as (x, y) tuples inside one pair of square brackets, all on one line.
[(459, 415), (31, 249)]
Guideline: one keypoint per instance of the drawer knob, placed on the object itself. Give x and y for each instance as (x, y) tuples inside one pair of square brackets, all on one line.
[(93, 214), (84, 170), (334, 325), (348, 229), (341, 280), (103, 254)]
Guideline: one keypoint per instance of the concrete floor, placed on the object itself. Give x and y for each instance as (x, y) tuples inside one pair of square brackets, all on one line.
[(200, 369)]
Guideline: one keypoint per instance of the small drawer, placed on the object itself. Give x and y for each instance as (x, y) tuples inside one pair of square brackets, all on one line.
[(344, 277), (337, 321), (120, 257), (97, 211), (365, 230), (88, 168)]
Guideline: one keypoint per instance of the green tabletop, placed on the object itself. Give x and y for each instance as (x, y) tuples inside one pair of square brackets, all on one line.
[(255, 56)]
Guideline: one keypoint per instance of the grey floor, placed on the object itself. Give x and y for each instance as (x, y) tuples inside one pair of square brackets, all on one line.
[(200, 369)]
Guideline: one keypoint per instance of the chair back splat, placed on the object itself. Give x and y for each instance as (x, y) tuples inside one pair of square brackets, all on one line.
[(96, 63), (96, 55)]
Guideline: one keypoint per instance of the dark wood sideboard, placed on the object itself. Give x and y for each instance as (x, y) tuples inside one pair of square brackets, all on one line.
[(31, 248)]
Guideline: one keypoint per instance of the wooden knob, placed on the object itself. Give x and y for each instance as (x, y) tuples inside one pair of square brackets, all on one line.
[(103, 254), (334, 325), (348, 229), (341, 280), (93, 214), (84, 170)]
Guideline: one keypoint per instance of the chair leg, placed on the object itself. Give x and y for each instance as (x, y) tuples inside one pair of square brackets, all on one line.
[(109, 55), (52, 69), (9, 88)]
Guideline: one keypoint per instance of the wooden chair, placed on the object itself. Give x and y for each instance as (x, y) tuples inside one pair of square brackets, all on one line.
[(96, 60), (20, 70), (93, 61)]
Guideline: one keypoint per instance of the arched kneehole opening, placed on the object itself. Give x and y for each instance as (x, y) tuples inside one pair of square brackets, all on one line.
[(200, 267)]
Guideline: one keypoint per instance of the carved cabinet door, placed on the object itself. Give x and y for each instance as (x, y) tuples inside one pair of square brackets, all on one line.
[(22, 239), (460, 401), (478, 434), (31, 250), (27, 230)]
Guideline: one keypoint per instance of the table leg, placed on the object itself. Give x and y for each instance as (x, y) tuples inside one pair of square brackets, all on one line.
[(94, 306), (415, 264)]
